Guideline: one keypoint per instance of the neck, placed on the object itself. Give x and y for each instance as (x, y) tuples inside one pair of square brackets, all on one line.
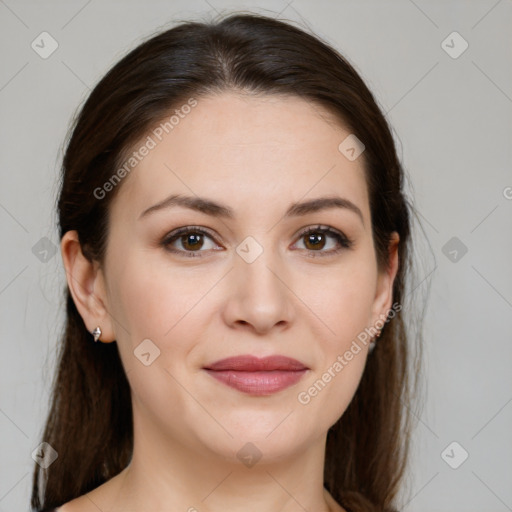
[(168, 475)]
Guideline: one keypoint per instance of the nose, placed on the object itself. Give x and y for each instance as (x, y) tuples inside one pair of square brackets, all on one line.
[(259, 297)]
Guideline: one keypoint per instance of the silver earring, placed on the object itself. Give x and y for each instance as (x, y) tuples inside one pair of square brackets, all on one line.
[(96, 334), (371, 346)]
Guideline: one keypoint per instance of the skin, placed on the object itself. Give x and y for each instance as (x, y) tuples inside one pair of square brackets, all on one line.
[(257, 155)]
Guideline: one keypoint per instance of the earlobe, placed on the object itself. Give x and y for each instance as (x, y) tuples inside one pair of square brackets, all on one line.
[(85, 282)]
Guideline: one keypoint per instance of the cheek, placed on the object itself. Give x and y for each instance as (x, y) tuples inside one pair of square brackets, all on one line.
[(341, 299), (153, 300), (328, 395), (163, 305)]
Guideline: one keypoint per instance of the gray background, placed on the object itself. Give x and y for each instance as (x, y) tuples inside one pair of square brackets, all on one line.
[(453, 124)]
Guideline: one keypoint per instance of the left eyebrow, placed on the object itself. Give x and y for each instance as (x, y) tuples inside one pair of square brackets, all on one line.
[(215, 209)]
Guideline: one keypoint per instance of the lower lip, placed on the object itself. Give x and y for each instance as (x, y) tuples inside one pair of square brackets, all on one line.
[(258, 383)]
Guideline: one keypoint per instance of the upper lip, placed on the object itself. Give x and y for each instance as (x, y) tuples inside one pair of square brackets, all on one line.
[(249, 363)]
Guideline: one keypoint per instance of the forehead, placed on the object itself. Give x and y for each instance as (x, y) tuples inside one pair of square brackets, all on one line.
[(246, 151)]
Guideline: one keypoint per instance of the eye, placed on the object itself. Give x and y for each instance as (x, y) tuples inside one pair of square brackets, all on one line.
[(191, 241), (190, 238), (316, 239)]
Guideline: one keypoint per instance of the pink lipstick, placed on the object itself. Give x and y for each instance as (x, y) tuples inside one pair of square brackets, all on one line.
[(256, 376)]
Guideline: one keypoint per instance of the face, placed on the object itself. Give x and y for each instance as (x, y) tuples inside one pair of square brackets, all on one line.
[(249, 278)]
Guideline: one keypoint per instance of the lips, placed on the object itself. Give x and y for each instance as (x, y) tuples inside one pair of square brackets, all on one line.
[(247, 363), (257, 376)]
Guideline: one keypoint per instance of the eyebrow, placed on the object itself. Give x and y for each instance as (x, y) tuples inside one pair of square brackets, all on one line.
[(215, 209)]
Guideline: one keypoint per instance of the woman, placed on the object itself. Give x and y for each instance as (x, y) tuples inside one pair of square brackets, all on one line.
[(235, 237)]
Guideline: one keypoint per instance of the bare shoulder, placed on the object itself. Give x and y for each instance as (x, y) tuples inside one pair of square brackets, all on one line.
[(100, 498), (81, 504)]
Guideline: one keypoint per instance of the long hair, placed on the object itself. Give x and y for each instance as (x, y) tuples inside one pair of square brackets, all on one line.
[(89, 422)]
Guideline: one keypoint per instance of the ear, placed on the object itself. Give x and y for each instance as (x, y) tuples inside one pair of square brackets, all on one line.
[(384, 292), (87, 286)]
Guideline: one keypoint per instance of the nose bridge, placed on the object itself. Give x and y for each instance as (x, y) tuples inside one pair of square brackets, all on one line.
[(261, 273), (258, 293)]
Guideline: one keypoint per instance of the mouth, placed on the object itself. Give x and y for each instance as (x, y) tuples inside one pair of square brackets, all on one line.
[(257, 376)]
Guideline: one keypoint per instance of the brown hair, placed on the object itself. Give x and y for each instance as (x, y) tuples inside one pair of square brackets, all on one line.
[(90, 418)]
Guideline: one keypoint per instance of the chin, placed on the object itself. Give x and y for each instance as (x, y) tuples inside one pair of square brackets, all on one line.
[(263, 436)]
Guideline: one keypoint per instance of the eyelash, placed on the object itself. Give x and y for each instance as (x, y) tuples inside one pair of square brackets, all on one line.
[(343, 241)]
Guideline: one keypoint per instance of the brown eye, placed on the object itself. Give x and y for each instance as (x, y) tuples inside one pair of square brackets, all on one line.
[(188, 241), (192, 241), (317, 238)]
